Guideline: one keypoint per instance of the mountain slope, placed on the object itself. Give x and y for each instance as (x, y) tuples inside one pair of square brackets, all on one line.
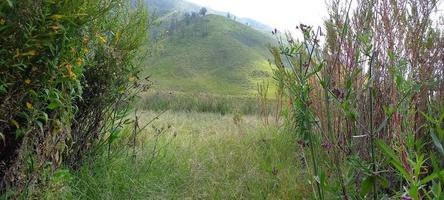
[(211, 54), (162, 8), (256, 25)]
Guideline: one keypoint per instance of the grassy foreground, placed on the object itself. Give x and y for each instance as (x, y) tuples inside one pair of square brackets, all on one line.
[(197, 156)]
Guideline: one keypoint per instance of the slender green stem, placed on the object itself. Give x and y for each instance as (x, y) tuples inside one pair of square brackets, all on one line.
[(372, 137)]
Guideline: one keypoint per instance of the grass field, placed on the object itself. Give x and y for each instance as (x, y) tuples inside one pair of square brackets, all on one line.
[(201, 102), (189, 155)]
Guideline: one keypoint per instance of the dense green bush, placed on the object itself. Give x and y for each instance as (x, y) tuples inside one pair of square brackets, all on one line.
[(67, 72)]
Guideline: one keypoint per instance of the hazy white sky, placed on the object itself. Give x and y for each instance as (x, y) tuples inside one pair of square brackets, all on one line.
[(281, 14)]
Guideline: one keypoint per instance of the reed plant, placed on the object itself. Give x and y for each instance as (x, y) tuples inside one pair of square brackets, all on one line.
[(365, 98)]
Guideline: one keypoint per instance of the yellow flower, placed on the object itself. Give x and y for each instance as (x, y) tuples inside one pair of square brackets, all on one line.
[(85, 40), (117, 37), (79, 62), (102, 39), (71, 74), (29, 53), (17, 53), (56, 27), (29, 105), (2, 21), (56, 17), (15, 123), (131, 78), (27, 81), (85, 50)]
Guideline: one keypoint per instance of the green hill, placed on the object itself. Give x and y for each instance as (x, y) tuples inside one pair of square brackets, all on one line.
[(211, 54), (163, 7)]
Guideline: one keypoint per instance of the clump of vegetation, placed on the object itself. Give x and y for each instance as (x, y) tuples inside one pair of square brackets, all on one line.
[(68, 71), (370, 98), (262, 101), (177, 101)]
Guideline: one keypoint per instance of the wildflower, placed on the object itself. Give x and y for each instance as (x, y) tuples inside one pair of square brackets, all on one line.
[(102, 39), (71, 74), (326, 145), (131, 78), (2, 21), (85, 50), (15, 123), (17, 53), (29, 105), (56, 28), (339, 94), (27, 81), (117, 37), (79, 62), (56, 17), (85, 40), (29, 53)]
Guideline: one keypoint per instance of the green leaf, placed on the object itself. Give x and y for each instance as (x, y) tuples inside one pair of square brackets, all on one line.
[(44, 117), (2, 89), (54, 105), (413, 192), (382, 181), (10, 3), (387, 150), (430, 119), (437, 143), (437, 190), (431, 177), (394, 160), (2, 137), (39, 124), (316, 70), (366, 185), (419, 163), (114, 135)]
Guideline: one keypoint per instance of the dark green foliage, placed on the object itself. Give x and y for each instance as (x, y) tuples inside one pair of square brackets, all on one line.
[(65, 67)]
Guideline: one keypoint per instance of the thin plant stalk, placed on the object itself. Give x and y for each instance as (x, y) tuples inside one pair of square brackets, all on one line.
[(370, 96)]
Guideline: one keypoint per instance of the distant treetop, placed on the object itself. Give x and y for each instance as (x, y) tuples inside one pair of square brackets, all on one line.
[(203, 11)]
